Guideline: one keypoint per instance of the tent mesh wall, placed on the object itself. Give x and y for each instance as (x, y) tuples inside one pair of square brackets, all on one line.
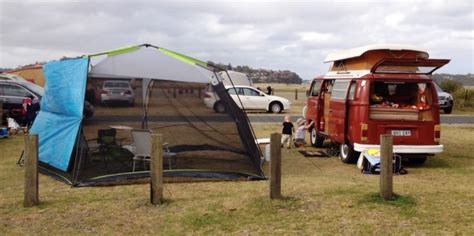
[(201, 142)]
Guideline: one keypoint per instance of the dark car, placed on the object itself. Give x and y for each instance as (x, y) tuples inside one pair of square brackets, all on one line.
[(12, 94)]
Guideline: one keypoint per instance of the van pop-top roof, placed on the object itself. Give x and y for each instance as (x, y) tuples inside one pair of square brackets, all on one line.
[(357, 52), (383, 58)]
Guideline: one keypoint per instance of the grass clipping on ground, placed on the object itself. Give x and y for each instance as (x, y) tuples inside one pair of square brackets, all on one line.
[(321, 195)]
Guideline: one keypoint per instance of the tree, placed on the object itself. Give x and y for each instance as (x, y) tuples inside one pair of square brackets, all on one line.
[(450, 86)]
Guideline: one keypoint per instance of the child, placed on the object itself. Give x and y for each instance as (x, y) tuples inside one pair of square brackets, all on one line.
[(301, 132), (287, 131)]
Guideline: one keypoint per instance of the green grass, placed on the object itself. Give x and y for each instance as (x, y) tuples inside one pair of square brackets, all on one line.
[(321, 196)]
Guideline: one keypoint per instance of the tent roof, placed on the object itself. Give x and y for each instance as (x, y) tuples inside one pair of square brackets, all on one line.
[(150, 62)]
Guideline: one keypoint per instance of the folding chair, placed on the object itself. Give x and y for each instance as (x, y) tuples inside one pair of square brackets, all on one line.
[(142, 147), (104, 141)]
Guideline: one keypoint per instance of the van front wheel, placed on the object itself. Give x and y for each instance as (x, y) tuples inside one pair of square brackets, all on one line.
[(347, 154), (315, 139)]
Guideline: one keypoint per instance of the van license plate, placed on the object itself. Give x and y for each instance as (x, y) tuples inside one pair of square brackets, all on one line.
[(401, 132)]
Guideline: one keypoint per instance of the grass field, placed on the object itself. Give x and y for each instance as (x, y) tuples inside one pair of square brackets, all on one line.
[(321, 196)]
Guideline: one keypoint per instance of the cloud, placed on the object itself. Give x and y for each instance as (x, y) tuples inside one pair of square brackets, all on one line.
[(267, 34)]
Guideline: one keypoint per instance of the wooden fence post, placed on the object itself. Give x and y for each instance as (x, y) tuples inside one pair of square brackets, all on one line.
[(174, 92), (156, 170), (275, 166), (31, 170), (296, 94), (386, 166)]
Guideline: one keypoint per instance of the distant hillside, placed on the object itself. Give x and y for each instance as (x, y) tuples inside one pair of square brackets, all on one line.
[(466, 80), (267, 76)]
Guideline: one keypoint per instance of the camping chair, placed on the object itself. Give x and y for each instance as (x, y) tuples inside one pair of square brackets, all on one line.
[(104, 141), (142, 148)]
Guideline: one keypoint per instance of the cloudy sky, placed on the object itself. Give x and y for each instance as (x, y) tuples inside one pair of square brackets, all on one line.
[(294, 35)]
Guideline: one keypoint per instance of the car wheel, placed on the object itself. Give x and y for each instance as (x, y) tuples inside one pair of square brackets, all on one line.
[(219, 107), (448, 110), (347, 154), (276, 107), (315, 139)]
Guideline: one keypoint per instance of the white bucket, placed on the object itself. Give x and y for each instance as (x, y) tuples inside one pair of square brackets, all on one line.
[(267, 152)]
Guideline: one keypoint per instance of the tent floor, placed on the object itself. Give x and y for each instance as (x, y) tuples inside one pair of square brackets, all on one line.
[(97, 164)]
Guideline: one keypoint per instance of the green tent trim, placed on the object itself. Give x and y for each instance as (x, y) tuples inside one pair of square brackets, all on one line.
[(118, 51), (183, 58)]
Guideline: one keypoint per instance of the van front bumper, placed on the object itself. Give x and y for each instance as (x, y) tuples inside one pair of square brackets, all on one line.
[(403, 148)]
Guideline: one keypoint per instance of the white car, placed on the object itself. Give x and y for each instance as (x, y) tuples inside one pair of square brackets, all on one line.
[(250, 99)]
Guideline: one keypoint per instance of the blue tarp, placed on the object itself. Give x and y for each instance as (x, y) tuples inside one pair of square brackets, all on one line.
[(57, 124)]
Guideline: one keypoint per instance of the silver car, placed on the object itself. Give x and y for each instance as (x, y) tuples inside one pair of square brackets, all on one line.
[(445, 100), (117, 91)]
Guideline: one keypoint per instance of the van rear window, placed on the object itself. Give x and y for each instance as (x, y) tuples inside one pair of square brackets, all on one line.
[(401, 101)]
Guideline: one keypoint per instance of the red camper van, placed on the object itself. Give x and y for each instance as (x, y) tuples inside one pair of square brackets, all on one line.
[(375, 90)]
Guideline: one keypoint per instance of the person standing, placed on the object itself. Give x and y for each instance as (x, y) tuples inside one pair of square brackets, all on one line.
[(269, 90), (287, 132), (32, 110)]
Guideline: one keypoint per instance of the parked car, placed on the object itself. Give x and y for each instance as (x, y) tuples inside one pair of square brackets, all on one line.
[(11, 77), (117, 91), (374, 90), (248, 98), (445, 100), (13, 92)]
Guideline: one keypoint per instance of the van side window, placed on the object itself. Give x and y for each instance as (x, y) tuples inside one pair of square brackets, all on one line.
[(339, 89), (352, 90), (315, 88)]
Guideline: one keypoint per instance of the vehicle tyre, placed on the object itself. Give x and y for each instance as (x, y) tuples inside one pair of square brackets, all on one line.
[(419, 160), (276, 107), (347, 154), (315, 139), (219, 107), (448, 110)]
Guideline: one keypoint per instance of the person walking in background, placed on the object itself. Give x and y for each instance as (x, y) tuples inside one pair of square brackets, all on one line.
[(32, 110), (301, 132), (269, 90), (287, 132)]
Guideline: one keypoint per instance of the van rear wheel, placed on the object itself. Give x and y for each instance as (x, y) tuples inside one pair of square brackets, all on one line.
[(316, 139), (418, 161), (347, 154)]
